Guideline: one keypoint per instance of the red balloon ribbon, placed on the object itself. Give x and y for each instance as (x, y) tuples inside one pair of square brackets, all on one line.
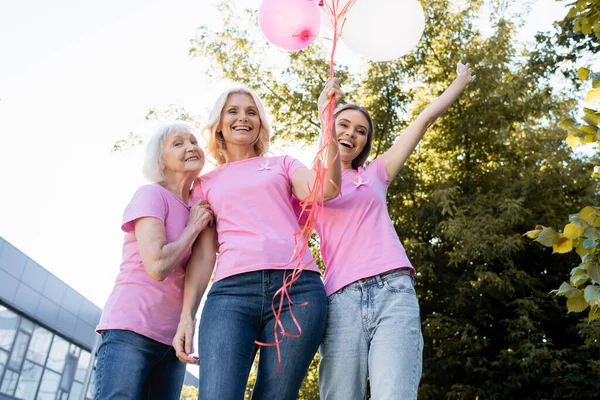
[(315, 197)]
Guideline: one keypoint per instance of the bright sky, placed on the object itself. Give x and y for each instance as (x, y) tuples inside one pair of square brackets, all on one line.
[(75, 76)]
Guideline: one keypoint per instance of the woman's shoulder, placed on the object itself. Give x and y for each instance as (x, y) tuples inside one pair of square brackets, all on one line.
[(149, 190)]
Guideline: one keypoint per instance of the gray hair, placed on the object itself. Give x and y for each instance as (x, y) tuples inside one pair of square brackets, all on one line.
[(153, 162)]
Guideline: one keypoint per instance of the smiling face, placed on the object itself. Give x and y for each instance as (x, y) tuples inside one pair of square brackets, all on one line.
[(352, 129), (181, 153), (240, 121)]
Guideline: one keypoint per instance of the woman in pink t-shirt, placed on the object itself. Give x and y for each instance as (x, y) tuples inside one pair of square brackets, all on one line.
[(135, 357), (373, 324), (250, 195)]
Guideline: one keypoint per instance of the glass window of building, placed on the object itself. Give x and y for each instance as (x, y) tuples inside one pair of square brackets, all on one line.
[(58, 352), (9, 382), (49, 386), (75, 391), (28, 381), (3, 361), (18, 352), (39, 345), (27, 325), (9, 323), (82, 366), (36, 364)]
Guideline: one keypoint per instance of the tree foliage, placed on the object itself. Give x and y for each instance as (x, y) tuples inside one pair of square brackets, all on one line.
[(496, 161), (582, 28)]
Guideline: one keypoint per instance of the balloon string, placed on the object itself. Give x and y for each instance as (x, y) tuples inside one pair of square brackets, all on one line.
[(312, 205)]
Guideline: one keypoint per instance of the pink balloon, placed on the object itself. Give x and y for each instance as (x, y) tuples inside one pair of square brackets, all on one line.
[(290, 24)]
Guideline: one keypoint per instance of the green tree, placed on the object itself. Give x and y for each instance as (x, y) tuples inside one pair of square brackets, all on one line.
[(581, 29), (495, 161), (189, 392)]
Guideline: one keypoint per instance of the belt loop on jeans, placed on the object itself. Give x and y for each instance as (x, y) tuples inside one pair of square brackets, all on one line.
[(379, 281)]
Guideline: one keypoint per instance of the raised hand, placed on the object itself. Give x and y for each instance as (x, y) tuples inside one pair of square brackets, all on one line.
[(465, 72), (331, 89)]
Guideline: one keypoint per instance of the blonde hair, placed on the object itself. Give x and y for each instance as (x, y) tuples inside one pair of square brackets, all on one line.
[(216, 145)]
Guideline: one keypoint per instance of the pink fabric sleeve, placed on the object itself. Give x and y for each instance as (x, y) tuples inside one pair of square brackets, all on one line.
[(381, 172), (290, 165), (146, 202), (197, 194)]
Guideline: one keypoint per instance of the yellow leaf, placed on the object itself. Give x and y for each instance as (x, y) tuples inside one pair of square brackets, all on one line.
[(593, 96), (583, 73), (566, 122), (572, 231), (533, 234), (577, 304), (597, 223), (563, 245), (581, 251), (592, 295), (568, 291), (594, 314), (572, 141), (588, 214), (590, 138), (586, 129), (577, 280), (592, 119)]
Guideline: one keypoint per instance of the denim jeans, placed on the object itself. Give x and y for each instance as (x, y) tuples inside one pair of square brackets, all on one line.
[(373, 331), (238, 312), (132, 366)]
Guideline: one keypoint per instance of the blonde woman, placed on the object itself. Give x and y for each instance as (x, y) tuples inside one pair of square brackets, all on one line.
[(250, 194)]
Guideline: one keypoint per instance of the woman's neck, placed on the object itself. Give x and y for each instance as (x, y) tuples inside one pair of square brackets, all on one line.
[(346, 165), (239, 153), (179, 184)]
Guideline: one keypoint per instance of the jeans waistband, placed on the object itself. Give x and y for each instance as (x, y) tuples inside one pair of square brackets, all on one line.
[(378, 279)]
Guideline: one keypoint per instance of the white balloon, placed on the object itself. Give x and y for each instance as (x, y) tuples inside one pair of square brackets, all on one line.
[(383, 30)]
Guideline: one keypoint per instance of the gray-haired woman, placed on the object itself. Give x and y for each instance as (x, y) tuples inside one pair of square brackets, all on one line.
[(139, 321)]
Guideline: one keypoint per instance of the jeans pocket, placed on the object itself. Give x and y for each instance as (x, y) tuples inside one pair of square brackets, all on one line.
[(331, 298), (399, 284)]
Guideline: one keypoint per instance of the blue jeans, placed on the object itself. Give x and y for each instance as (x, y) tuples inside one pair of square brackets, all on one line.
[(237, 313), (374, 331), (132, 366)]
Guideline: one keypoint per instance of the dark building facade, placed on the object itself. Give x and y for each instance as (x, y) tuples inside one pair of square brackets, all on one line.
[(47, 333)]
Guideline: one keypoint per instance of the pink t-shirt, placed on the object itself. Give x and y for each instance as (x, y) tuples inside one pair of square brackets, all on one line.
[(256, 223), (358, 239), (138, 303)]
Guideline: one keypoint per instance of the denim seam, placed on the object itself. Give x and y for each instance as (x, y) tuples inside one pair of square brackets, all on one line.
[(101, 362), (164, 355), (418, 359), (262, 306)]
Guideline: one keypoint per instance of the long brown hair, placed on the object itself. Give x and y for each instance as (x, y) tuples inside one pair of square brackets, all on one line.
[(361, 158)]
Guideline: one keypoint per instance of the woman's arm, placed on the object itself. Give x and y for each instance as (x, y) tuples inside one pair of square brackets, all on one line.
[(397, 155), (197, 276), (304, 179), (159, 256)]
